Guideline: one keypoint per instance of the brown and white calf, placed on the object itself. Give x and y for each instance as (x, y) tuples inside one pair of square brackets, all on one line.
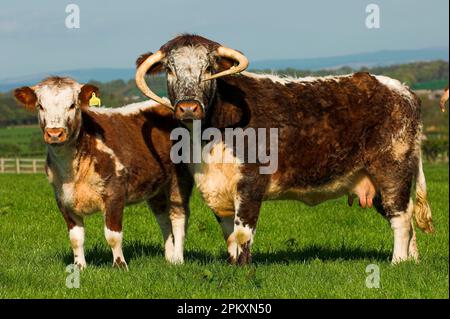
[(355, 135), (101, 159)]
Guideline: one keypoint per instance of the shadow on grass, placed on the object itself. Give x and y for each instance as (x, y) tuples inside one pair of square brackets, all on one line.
[(311, 253), (101, 255)]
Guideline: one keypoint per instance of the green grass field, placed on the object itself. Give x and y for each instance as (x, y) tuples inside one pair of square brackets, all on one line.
[(299, 252), (22, 141)]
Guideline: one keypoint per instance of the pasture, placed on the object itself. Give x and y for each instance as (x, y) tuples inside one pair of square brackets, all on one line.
[(21, 141), (299, 251)]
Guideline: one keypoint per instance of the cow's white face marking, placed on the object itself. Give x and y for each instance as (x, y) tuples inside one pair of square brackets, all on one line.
[(186, 67), (57, 106)]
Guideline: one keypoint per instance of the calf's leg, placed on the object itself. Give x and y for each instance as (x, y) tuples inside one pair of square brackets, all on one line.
[(179, 193), (113, 231), (75, 226), (159, 206), (176, 215), (76, 235)]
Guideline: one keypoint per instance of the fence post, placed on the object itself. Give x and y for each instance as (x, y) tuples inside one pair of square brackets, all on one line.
[(2, 165), (34, 166), (17, 165)]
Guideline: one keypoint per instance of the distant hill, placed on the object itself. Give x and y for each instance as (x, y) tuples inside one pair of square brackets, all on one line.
[(354, 61)]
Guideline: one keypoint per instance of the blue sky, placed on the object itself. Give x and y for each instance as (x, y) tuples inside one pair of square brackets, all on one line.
[(34, 38)]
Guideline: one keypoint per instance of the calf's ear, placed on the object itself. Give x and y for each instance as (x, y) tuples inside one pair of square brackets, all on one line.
[(86, 93), (26, 96)]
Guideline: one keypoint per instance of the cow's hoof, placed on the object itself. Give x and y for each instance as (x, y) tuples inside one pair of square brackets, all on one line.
[(175, 260), (231, 260), (245, 258), (120, 264), (80, 265), (398, 260)]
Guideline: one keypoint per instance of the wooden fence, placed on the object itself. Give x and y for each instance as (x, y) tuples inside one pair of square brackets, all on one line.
[(22, 165)]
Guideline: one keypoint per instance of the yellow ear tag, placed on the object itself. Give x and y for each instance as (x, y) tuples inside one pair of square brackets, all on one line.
[(94, 100)]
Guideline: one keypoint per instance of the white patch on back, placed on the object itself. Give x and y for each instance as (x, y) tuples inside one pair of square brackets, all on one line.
[(396, 86), (289, 79), (130, 109)]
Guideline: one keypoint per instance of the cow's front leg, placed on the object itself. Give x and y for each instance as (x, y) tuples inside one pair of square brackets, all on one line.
[(159, 206), (113, 231), (75, 226), (172, 217), (240, 241), (179, 218), (76, 236)]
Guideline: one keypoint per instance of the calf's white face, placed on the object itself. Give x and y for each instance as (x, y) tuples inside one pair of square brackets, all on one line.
[(58, 102)]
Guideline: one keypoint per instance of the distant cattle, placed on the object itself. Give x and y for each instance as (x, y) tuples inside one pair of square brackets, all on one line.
[(354, 135), (444, 99), (100, 159)]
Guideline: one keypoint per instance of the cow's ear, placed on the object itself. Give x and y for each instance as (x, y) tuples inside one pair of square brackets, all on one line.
[(26, 96), (224, 64), (86, 94), (155, 69)]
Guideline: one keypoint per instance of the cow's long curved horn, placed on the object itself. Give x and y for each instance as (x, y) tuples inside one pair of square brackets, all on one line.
[(140, 77), (231, 54)]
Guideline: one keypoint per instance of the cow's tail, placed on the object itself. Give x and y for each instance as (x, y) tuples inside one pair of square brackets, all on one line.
[(422, 210)]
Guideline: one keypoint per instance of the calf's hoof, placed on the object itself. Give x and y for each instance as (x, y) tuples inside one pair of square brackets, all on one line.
[(80, 265), (175, 260)]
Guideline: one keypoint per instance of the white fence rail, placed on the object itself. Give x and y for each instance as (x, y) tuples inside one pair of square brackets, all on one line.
[(22, 165)]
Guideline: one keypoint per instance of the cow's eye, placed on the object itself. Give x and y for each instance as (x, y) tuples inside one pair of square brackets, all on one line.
[(72, 106)]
